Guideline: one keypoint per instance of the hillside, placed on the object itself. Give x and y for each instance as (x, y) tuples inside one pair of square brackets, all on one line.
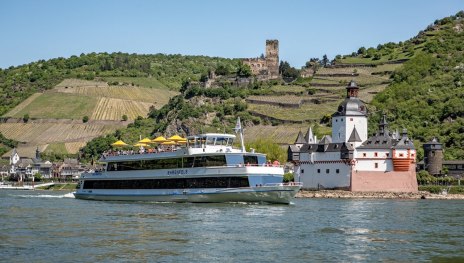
[(421, 75), (104, 87)]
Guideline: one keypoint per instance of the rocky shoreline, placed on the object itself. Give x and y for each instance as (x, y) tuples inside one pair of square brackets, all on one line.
[(376, 195)]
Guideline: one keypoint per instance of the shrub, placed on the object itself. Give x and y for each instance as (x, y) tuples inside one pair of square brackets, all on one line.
[(85, 119)]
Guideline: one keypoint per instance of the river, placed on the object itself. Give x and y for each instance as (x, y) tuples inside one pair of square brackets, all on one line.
[(46, 226)]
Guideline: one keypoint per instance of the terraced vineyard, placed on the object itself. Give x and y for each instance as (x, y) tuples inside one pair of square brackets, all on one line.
[(114, 109), (55, 122), (281, 134)]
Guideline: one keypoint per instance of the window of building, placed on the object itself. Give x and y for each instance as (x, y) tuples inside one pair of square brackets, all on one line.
[(318, 171), (337, 171), (302, 171), (376, 154), (327, 171), (351, 119), (412, 155), (401, 155), (364, 154), (376, 165), (387, 154)]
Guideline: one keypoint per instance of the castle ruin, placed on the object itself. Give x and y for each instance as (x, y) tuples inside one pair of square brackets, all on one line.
[(267, 67)]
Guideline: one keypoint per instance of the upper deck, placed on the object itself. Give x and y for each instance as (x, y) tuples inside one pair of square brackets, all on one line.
[(202, 144)]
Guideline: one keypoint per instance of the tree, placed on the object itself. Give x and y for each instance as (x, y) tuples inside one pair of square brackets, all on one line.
[(85, 119), (26, 118), (244, 70), (325, 60), (361, 51), (270, 148), (124, 117)]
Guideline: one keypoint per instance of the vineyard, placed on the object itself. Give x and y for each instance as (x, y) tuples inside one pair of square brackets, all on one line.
[(56, 106), (281, 134), (114, 109), (158, 97)]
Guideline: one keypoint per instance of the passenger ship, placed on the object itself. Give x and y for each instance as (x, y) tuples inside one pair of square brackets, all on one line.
[(207, 169)]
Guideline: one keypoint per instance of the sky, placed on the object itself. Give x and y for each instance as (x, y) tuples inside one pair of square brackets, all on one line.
[(32, 30)]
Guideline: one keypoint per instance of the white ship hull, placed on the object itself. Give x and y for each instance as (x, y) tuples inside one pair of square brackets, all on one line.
[(276, 194)]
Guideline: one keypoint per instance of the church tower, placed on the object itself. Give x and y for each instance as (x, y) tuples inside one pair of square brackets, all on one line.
[(350, 121)]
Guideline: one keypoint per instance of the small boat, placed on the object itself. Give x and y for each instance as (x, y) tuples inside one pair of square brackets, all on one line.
[(204, 169)]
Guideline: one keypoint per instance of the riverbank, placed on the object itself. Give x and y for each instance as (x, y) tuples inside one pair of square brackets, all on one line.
[(376, 195)]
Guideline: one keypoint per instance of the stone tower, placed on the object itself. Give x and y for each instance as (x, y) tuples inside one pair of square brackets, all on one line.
[(433, 157), (272, 57)]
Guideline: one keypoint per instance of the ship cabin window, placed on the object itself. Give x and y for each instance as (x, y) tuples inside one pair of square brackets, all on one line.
[(171, 163), (177, 183), (250, 160)]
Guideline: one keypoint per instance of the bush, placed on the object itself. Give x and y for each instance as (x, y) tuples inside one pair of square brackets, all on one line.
[(26, 118), (288, 177), (85, 119), (124, 117)]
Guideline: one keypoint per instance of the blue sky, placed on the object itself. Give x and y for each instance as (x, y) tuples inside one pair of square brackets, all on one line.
[(33, 30)]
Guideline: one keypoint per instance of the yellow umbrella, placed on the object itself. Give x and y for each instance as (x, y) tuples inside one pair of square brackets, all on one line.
[(119, 143), (145, 140), (176, 138), (168, 143), (182, 142), (140, 145), (159, 139)]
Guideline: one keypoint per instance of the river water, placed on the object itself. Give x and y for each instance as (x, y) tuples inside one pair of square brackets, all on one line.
[(46, 226)]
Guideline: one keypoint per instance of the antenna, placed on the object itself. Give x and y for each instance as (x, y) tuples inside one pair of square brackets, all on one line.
[(238, 128)]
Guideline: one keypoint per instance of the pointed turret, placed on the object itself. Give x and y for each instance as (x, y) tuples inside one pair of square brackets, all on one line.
[(354, 137), (300, 139), (383, 126), (310, 136)]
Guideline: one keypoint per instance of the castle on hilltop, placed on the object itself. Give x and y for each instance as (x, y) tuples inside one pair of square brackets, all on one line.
[(349, 159), (266, 67)]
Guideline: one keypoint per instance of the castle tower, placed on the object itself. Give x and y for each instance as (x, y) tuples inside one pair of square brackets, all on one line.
[(433, 157), (272, 57), (351, 113)]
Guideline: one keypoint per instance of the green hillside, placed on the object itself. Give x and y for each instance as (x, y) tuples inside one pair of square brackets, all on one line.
[(417, 83)]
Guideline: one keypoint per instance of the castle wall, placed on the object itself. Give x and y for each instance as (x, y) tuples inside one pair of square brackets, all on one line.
[(373, 181), (330, 175), (373, 160)]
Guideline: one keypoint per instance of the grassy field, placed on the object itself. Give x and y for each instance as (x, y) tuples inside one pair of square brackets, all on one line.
[(73, 135), (142, 82), (282, 134), (307, 112), (59, 148), (57, 106), (288, 88)]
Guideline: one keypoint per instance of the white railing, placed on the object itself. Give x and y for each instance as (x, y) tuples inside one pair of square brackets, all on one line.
[(285, 184)]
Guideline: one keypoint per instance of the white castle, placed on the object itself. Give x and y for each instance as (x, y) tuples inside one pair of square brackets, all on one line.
[(349, 159)]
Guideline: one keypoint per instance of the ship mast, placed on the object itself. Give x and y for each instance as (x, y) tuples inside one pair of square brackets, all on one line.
[(238, 128)]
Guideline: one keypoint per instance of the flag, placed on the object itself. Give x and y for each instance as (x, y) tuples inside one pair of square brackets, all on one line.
[(238, 126)]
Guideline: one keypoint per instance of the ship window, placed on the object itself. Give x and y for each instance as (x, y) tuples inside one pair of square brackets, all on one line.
[(250, 159), (178, 183)]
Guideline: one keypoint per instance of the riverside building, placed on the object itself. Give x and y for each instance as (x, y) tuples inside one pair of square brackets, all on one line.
[(351, 160)]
